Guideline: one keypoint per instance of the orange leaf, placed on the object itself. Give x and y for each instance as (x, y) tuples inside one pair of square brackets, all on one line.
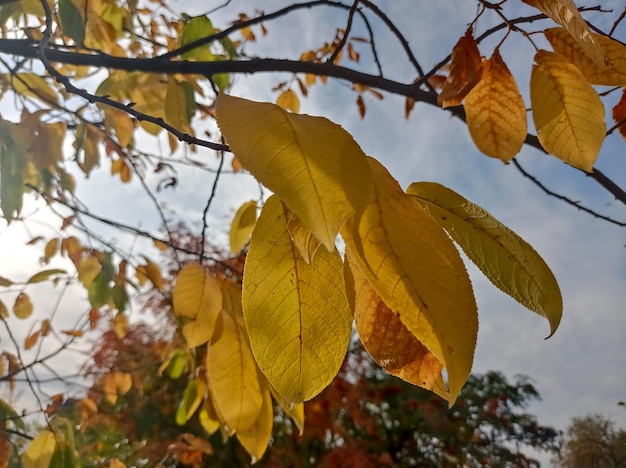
[(619, 114), (288, 101), (464, 71), (31, 340)]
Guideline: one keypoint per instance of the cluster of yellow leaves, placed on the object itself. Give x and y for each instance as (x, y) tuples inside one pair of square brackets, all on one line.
[(401, 282), (568, 114), (233, 394)]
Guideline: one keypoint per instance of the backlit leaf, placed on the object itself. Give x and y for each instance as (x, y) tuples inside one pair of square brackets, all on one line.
[(568, 113), (619, 114), (563, 43), (40, 450), (207, 418), (256, 438), (149, 98), (297, 315), (507, 260), (179, 105), (242, 226), (195, 29), (495, 111), (288, 101), (416, 270), (233, 374), (23, 307), (33, 85), (295, 412), (464, 71), (390, 343), (566, 14), (196, 291), (44, 275), (150, 271), (312, 164), (303, 239)]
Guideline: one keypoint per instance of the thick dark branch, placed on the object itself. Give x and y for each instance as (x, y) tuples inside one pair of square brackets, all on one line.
[(26, 48)]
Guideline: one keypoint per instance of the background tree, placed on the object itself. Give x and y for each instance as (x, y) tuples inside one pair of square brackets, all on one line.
[(142, 87), (593, 441)]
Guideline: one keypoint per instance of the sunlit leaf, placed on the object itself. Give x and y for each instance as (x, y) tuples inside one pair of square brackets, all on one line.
[(416, 270), (389, 341), (242, 226), (303, 239), (23, 307), (295, 412), (40, 450), (288, 100), (312, 164), (297, 315), (464, 71), (615, 75), (619, 114), (495, 111), (44, 275), (568, 113), (566, 14), (207, 418), (507, 260), (233, 374), (195, 291), (197, 28), (256, 438)]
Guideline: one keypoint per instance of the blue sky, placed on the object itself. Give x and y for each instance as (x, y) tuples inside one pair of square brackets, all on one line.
[(577, 371)]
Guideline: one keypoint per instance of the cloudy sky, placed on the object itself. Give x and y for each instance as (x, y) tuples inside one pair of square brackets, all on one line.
[(577, 371)]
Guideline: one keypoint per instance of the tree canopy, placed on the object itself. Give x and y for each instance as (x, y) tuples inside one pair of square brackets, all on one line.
[(332, 241)]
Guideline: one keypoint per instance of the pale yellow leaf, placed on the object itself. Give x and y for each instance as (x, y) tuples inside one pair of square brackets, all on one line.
[(563, 43), (506, 259), (295, 412), (566, 14), (303, 239), (149, 98), (495, 111), (416, 270), (233, 374), (23, 307), (196, 291), (312, 164), (256, 437), (297, 314), (88, 270), (568, 113), (389, 341), (288, 100), (242, 226), (40, 450)]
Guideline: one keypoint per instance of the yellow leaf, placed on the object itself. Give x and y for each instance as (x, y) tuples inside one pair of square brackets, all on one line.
[(150, 271), (506, 259), (109, 387), (388, 340), (297, 315), (124, 382), (563, 43), (312, 164), (74, 333), (120, 325), (295, 412), (4, 312), (197, 296), (288, 100), (568, 113), (566, 14), (303, 239), (416, 270), (233, 374), (199, 331), (495, 111), (33, 85), (256, 437), (162, 246), (192, 397), (116, 463), (51, 248), (149, 98), (23, 307), (121, 122), (40, 451), (207, 418), (88, 270), (242, 226)]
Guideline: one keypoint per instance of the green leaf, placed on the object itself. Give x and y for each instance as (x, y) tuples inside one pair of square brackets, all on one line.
[(197, 28), (99, 291), (7, 413), (44, 275), (40, 451), (72, 23), (12, 164), (508, 261), (192, 397)]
